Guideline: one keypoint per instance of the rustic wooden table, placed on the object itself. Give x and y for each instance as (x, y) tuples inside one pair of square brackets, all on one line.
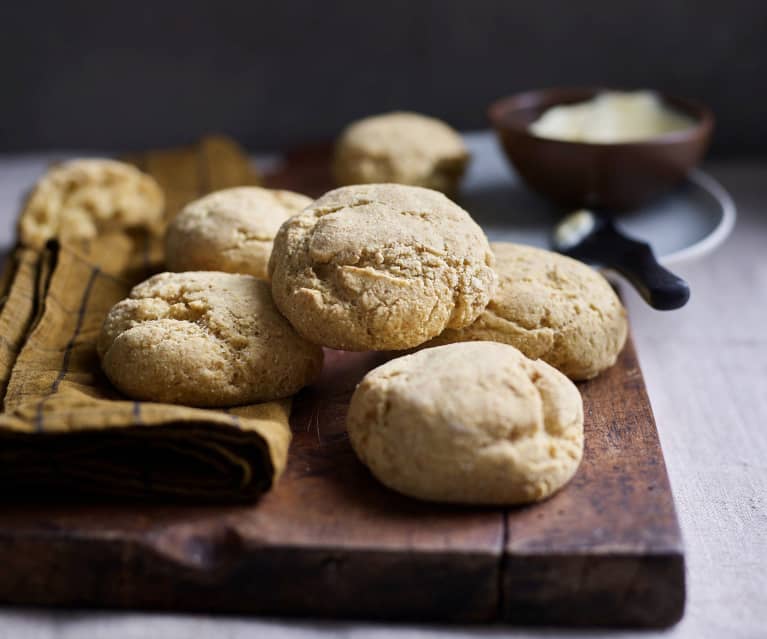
[(706, 372)]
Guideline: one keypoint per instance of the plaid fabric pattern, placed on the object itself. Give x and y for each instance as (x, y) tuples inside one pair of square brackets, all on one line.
[(64, 428)]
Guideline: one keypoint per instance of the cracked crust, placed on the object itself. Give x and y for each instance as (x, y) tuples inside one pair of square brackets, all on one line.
[(204, 339), (80, 199), (472, 423), (401, 147), (553, 308), (230, 230), (380, 267)]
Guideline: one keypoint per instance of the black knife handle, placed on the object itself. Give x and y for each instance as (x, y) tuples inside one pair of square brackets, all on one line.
[(636, 261)]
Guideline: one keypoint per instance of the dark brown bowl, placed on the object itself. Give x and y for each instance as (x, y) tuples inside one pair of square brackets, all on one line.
[(608, 176)]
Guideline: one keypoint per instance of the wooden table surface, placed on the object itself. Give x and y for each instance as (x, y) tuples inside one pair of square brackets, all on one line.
[(706, 372)]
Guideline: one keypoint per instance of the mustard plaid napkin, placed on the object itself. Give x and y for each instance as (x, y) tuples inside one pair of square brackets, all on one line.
[(64, 429)]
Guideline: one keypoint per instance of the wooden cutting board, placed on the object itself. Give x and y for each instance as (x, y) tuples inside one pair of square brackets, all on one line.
[(330, 541)]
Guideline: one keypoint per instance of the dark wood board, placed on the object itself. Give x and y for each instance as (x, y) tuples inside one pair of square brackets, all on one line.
[(329, 541)]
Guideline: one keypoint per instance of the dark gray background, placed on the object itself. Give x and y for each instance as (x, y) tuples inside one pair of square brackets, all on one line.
[(123, 75)]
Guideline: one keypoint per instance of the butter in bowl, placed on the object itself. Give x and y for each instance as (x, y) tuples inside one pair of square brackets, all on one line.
[(593, 148)]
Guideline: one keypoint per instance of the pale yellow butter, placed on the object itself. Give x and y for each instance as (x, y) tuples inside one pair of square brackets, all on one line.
[(611, 117)]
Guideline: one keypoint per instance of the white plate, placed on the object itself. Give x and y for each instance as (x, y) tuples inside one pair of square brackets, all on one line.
[(686, 224)]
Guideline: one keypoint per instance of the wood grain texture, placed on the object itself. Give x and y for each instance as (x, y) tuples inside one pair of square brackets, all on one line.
[(330, 541), (610, 540)]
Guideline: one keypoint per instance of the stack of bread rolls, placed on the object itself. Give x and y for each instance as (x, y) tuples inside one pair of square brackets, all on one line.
[(478, 407)]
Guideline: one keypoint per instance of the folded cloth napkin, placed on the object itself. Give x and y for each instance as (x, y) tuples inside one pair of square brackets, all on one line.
[(65, 430)]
